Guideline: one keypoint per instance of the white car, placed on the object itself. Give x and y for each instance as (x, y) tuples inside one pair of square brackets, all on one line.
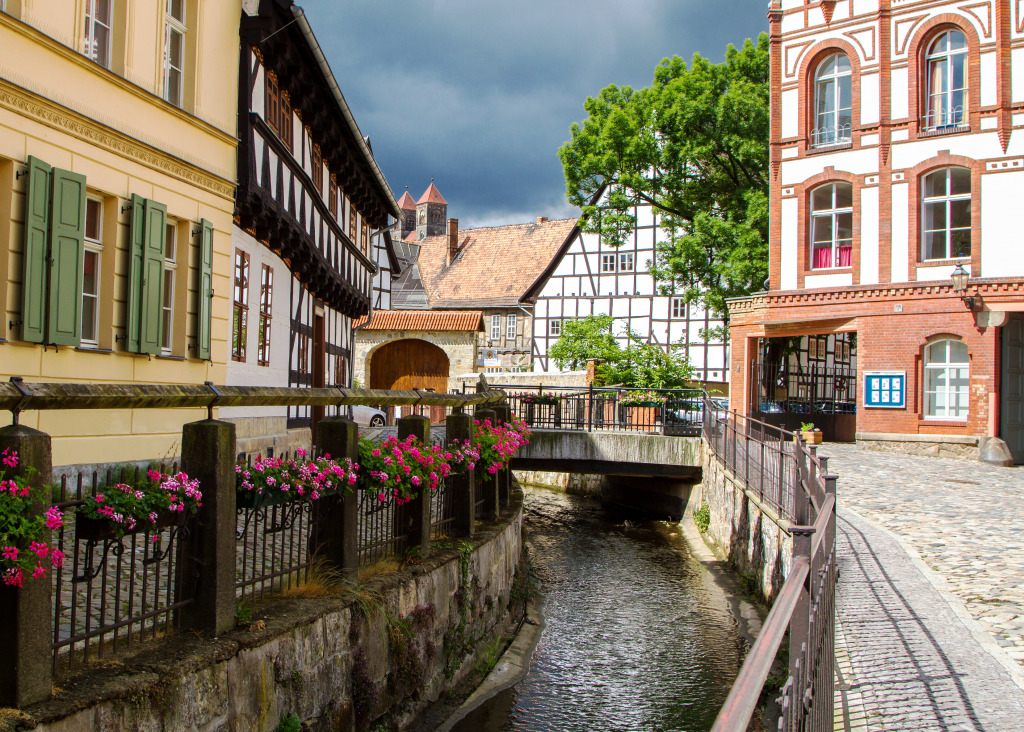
[(368, 416)]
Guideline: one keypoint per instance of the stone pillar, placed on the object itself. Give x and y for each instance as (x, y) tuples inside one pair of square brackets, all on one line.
[(27, 627), (415, 515), (208, 454), (488, 484), (459, 426), (504, 476), (334, 536)]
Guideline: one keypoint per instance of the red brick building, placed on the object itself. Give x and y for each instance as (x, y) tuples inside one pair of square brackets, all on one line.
[(897, 160)]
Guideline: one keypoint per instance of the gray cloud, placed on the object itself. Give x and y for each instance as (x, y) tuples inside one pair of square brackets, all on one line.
[(480, 94)]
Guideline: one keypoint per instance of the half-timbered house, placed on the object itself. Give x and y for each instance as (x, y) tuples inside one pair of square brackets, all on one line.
[(310, 206), (588, 276)]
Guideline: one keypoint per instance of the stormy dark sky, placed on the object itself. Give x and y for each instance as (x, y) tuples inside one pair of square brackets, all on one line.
[(479, 94)]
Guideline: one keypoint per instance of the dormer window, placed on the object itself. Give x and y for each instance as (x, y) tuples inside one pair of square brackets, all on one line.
[(946, 83), (833, 101)]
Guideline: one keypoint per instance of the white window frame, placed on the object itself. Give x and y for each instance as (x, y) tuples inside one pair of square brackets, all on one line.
[(829, 126), (940, 109), (555, 327), (833, 214), (678, 307), (91, 22), (946, 201), (607, 263), (496, 327), (174, 25), (93, 245), (510, 327), (626, 261), (167, 306), (946, 370)]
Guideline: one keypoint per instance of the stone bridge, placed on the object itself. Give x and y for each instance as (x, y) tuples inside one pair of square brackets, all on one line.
[(648, 472)]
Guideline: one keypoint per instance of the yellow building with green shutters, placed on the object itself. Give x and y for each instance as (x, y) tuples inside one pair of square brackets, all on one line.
[(117, 171)]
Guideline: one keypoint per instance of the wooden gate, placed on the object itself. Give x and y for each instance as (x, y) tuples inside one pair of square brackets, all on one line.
[(410, 364)]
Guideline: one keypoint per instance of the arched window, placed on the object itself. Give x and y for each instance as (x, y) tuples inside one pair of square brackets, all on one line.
[(946, 380), (831, 225), (833, 101), (946, 83), (946, 214)]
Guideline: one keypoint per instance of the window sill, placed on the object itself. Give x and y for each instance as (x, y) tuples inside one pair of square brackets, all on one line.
[(819, 149), (829, 270), (943, 422), (944, 262), (93, 349), (167, 357), (940, 131)]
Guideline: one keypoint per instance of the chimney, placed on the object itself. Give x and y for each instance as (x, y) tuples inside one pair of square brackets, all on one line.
[(541, 219), (453, 239)]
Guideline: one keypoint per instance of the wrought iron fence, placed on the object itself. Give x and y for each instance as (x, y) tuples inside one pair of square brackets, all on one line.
[(805, 606), (664, 411), (112, 591), (811, 390)]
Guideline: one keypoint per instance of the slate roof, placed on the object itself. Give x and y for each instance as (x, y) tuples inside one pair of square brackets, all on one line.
[(494, 266), (423, 320)]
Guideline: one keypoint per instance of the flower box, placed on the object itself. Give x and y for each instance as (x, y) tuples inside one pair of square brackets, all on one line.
[(252, 499), (99, 529), (811, 437), (642, 416)]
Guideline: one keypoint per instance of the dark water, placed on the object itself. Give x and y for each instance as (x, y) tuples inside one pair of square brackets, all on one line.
[(637, 636)]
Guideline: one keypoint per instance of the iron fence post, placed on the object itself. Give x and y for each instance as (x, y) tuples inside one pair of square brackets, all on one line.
[(26, 676), (799, 623), (590, 409)]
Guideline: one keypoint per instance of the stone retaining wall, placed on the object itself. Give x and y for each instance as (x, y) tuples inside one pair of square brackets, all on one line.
[(743, 531), (339, 663), (947, 446), (572, 483)]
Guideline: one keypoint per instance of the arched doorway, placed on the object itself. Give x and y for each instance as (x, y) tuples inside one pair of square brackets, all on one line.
[(410, 364)]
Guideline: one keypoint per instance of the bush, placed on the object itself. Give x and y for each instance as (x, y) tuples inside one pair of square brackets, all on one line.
[(702, 517)]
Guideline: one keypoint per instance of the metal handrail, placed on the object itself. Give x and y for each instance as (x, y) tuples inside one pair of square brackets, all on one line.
[(742, 700)]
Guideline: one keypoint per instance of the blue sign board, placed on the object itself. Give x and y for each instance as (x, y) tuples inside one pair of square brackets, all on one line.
[(885, 389)]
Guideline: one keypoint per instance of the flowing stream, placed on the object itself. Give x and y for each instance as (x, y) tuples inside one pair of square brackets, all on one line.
[(637, 635)]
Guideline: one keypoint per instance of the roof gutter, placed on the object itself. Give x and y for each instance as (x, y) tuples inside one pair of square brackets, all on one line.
[(325, 68)]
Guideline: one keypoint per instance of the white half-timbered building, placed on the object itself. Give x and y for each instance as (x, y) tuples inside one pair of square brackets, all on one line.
[(590, 277), (310, 204)]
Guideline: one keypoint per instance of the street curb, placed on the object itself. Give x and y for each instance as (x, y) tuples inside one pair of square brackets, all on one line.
[(936, 580)]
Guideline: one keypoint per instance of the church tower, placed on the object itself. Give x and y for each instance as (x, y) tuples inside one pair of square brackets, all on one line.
[(406, 224), (431, 213)]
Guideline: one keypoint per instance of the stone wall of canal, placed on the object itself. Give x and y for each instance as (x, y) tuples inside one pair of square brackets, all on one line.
[(339, 663), (742, 530)]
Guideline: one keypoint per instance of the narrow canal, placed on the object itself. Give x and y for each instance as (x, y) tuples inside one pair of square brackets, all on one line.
[(637, 635)]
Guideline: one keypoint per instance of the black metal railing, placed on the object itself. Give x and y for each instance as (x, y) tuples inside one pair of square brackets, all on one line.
[(663, 411), (111, 591), (805, 605)]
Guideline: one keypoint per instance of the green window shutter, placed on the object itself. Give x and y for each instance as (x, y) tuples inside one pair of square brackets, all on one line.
[(205, 289), (35, 252), (67, 252), (152, 290), (136, 245)]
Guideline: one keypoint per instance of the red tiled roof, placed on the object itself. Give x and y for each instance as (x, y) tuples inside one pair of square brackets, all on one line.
[(494, 265), (423, 320), (406, 202), (432, 195)]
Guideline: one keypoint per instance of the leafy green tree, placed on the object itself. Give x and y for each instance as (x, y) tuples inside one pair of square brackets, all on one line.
[(694, 145), (584, 339)]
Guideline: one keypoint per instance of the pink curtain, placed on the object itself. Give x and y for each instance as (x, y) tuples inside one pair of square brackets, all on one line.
[(822, 257), (845, 255)]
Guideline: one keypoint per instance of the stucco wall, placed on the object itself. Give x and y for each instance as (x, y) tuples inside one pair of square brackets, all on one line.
[(331, 661), (751, 536)]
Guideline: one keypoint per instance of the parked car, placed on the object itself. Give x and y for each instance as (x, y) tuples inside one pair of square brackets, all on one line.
[(771, 408), (721, 403), (835, 407), (368, 416)]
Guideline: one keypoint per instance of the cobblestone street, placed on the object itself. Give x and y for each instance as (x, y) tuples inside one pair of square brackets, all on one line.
[(908, 657)]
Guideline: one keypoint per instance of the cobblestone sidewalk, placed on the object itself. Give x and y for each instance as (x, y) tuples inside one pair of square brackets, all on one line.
[(964, 518)]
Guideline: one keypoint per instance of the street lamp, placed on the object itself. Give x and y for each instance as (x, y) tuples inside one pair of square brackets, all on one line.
[(960, 278)]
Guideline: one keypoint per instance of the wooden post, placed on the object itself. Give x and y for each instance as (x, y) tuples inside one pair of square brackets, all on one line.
[(459, 426), (487, 483), (335, 527), (27, 627), (415, 515), (208, 454)]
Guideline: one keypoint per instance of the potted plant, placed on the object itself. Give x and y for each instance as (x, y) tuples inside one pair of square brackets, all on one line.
[(810, 433), (159, 500), (270, 481), (25, 550)]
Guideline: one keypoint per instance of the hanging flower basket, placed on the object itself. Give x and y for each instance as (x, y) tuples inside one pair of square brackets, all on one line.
[(274, 481), (126, 509), (99, 529)]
